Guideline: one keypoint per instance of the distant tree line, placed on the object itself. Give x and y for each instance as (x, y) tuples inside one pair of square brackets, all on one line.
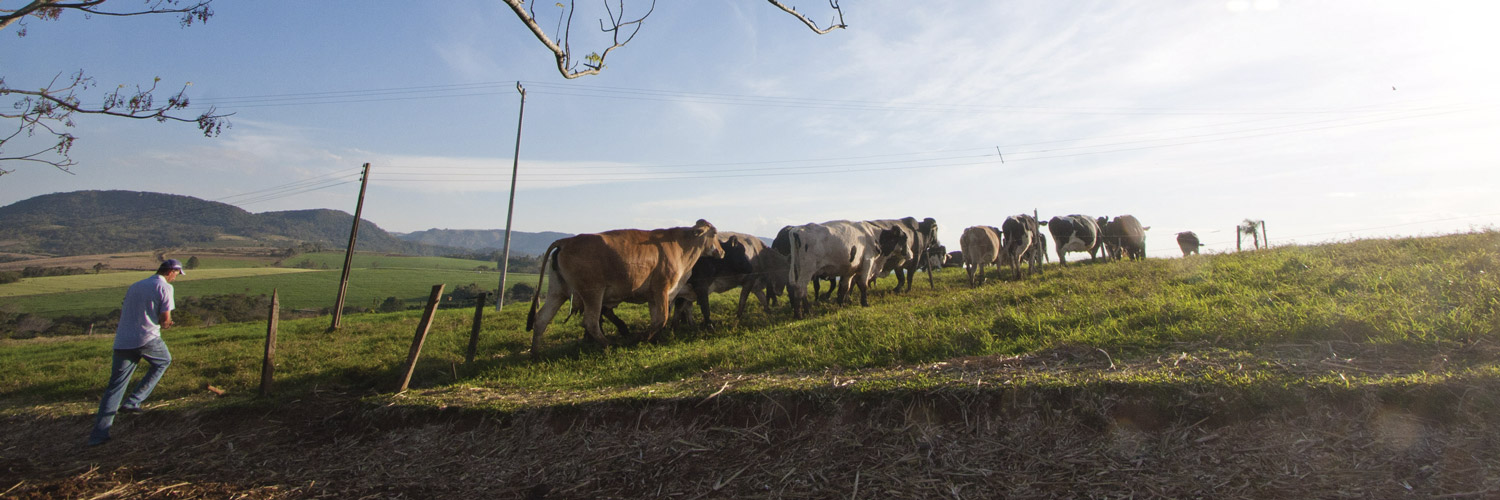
[(518, 263), (39, 272)]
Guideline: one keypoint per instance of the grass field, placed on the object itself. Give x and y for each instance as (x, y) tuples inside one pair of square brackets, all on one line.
[(1416, 293), (1367, 369), (297, 290), (119, 280), (407, 278), (335, 260)]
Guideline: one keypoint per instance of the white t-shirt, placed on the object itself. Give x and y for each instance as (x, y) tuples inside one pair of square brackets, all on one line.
[(140, 313)]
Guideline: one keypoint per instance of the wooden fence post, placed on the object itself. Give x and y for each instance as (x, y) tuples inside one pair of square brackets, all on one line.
[(1237, 238), (416, 342), (268, 364), (474, 334)]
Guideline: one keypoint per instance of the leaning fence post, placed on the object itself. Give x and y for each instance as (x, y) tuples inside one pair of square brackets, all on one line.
[(474, 334), (416, 342), (268, 365)]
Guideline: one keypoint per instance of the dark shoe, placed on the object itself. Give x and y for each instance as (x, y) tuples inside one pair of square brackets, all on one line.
[(132, 409)]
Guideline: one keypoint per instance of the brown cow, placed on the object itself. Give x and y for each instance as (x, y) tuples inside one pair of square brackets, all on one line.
[(981, 247), (1123, 237), (625, 265), (1188, 242)]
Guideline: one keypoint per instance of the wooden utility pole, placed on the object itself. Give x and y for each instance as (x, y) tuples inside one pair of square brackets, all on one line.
[(416, 342), (268, 364), (359, 208), (510, 211)]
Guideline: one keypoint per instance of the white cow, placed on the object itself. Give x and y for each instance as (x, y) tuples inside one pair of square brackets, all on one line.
[(853, 251)]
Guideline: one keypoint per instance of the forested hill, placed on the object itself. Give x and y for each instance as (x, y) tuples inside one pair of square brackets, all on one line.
[(91, 222), (521, 243)]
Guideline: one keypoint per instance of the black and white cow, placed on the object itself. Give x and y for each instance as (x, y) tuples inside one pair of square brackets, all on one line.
[(1074, 233), (937, 256), (1188, 242), (851, 251), (955, 259), (1123, 236), (1018, 234), (920, 237), (782, 244)]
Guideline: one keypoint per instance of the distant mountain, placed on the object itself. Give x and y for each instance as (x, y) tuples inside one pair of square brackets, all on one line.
[(90, 222), (521, 243)]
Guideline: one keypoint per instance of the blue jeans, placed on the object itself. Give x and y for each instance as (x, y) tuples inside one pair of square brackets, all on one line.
[(125, 361)]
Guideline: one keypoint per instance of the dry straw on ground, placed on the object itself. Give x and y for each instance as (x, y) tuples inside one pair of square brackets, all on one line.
[(976, 437)]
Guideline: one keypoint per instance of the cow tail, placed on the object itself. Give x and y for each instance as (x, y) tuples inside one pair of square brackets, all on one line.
[(796, 256), (536, 296)]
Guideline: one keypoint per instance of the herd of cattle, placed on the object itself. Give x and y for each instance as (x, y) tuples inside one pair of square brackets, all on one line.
[(672, 268)]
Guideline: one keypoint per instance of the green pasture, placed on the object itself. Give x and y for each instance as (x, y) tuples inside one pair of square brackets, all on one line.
[(1423, 295), (206, 262), (298, 288), (120, 280), (335, 260)]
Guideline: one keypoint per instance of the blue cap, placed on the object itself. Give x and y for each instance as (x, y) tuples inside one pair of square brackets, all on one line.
[(171, 264)]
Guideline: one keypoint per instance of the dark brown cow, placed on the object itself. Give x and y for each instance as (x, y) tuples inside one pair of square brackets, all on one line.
[(625, 265), (1188, 242), (1124, 237)]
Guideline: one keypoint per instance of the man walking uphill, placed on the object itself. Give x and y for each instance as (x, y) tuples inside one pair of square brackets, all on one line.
[(147, 310)]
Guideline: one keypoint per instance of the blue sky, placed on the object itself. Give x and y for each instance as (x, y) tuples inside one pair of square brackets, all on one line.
[(1330, 120)]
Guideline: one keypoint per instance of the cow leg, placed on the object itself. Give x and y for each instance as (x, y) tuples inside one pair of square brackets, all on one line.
[(556, 296), (1061, 260), (765, 299), (844, 286), (658, 305), (739, 311), (620, 328), (679, 311), (593, 309), (864, 294), (796, 299), (702, 293)]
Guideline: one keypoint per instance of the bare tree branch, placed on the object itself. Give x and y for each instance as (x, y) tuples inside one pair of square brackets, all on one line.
[(561, 49), (560, 41), (195, 11), (51, 110), (833, 25)]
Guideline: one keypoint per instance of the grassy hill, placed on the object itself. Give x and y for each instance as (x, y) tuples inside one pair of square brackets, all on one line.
[(1365, 369), (521, 243), (97, 222)]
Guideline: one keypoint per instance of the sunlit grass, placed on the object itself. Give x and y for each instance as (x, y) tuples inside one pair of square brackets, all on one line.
[(1408, 294)]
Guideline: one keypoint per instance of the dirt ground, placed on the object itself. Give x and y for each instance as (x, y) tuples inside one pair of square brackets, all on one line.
[(983, 442)]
